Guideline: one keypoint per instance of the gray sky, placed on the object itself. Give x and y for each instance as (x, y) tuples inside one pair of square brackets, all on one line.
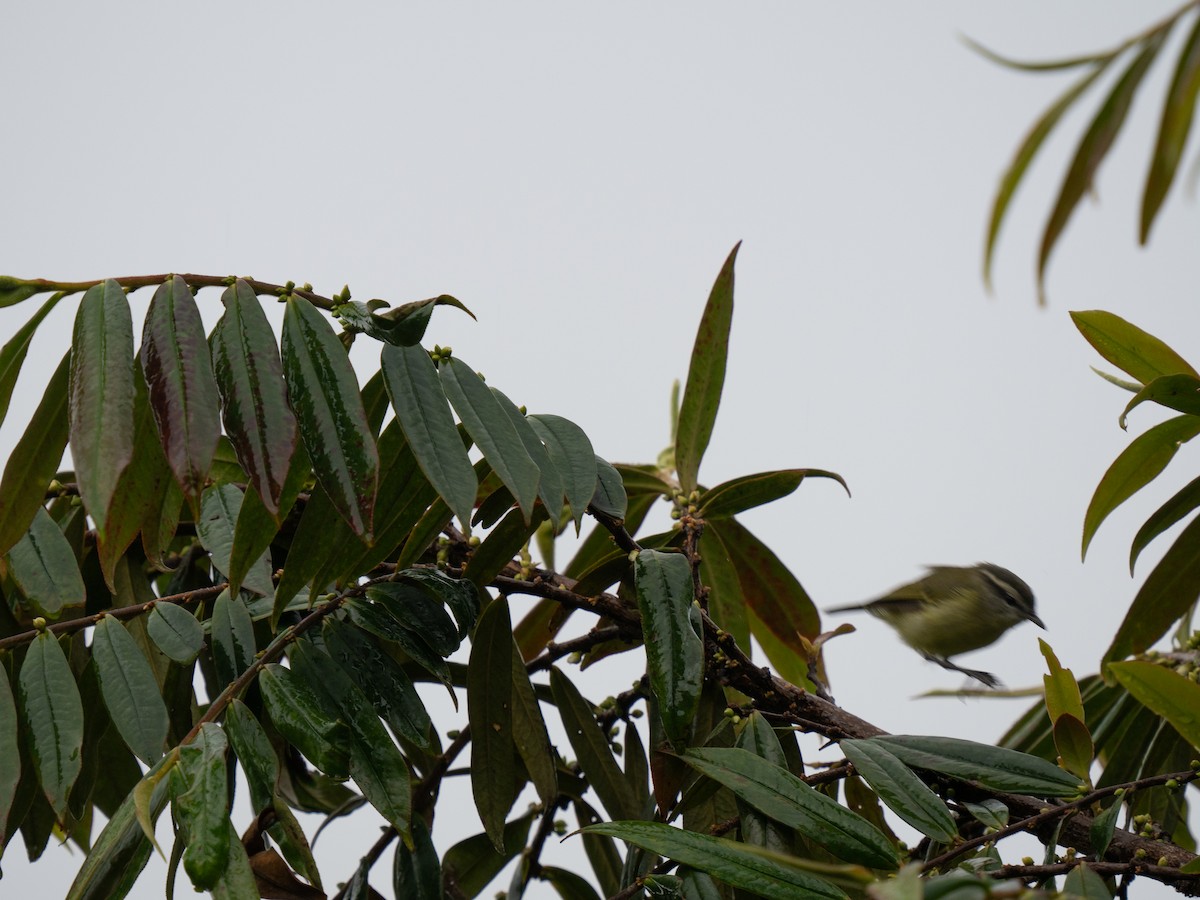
[(577, 175)]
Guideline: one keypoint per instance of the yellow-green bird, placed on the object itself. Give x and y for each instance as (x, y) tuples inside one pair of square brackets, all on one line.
[(953, 610)]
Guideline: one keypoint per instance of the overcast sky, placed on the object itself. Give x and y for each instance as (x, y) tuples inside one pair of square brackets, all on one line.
[(577, 175)]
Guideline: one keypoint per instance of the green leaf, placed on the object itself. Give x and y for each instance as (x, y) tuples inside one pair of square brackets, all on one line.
[(299, 715), (183, 391), (740, 865), (551, 490), (101, 396), (311, 548), (1074, 744), (1082, 883), (570, 885), (740, 494), (706, 377), (1175, 509), (472, 863), (674, 646), (1094, 146), (1178, 392), (375, 764), (419, 612), (458, 594), (35, 459), (54, 716), (422, 410), (1128, 347), (233, 646), (903, 792), (176, 632), (254, 752), (1164, 691), (255, 409), (14, 351), (403, 326), (501, 544), (787, 799), (592, 749), (1062, 690), (43, 566), (17, 290), (201, 801), (492, 430), (991, 813), (130, 690), (1173, 131), (324, 394), (996, 768), (1101, 832), (10, 753), (417, 873), (1028, 149), (220, 508), (256, 528), (1166, 595), (609, 497), (489, 708), (381, 623), (571, 451), (530, 735), (238, 881), (1137, 465)]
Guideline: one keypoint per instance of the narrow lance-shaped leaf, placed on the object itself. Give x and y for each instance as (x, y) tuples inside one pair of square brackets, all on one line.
[(1164, 691), (220, 506), (1176, 125), (255, 409), (183, 391), (903, 792), (14, 351), (324, 394), (674, 648), (1139, 464), (10, 752), (1093, 147), (233, 645), (35, 459), (1128, 347), (101, 396), (492, 430), (1174, 510), (740, 494), (43, 567), (424, 415), (706, 378), (130, 690), (54, 714), (572, 453), (994, 767), (489, 709), (298, 715), (1179, 392), (530, 734), (551, 490), (201, 790)]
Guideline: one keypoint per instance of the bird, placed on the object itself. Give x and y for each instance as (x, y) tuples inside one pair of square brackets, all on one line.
[(953, 610)]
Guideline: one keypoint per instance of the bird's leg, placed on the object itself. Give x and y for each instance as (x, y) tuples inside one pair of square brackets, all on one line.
[(985, 677)]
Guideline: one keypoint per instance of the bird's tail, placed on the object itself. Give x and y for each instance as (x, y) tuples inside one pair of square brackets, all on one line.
[(833, 609)]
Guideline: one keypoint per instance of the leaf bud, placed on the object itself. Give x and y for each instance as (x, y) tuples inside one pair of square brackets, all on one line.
[(1162, 860), (39, 623)]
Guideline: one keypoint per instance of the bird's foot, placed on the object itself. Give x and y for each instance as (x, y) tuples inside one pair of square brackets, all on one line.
[(985, 678)]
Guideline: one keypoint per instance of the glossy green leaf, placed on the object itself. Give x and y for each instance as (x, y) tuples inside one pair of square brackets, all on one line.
[(1138, 464), (324, 395), (592, 749), (740, 865), (233, 646), (54, 716), (130, 690), (10, 753), (1128, 347), (491, 428), (785, 798), (726, 603), (34, 459), (310, 550), (489, 709), (176, 632), (472, 863), (571, 450), (706, 377), (256, 528), (183, 391), (1166, 692), (991, 813), (1094, 146), (15, 349), (298, 714), (1101, 832), (1074, 743), (253, 749), (609, 496), (740, 494), (1167, 594), (1082, 883), (381, 679), (1173, 131), (255, 409), (375, 764), (997, 768), (220, 506), (530, 735), (381, 623), (674, 646), (1178, 507), (458, 594), (417, 872), (1062, 690), (101, 396), (201, 802), (422, 410), (903, 792), (18, 290), (419, 612), (1027, 150), (1178, 392), (569, 885), (44, 569), (551, 489), (237, 881)]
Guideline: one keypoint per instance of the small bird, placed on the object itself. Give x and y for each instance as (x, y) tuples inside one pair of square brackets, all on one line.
[(955, 609)]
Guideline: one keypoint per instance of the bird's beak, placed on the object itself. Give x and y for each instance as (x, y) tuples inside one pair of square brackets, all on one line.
[(1032, 617)]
